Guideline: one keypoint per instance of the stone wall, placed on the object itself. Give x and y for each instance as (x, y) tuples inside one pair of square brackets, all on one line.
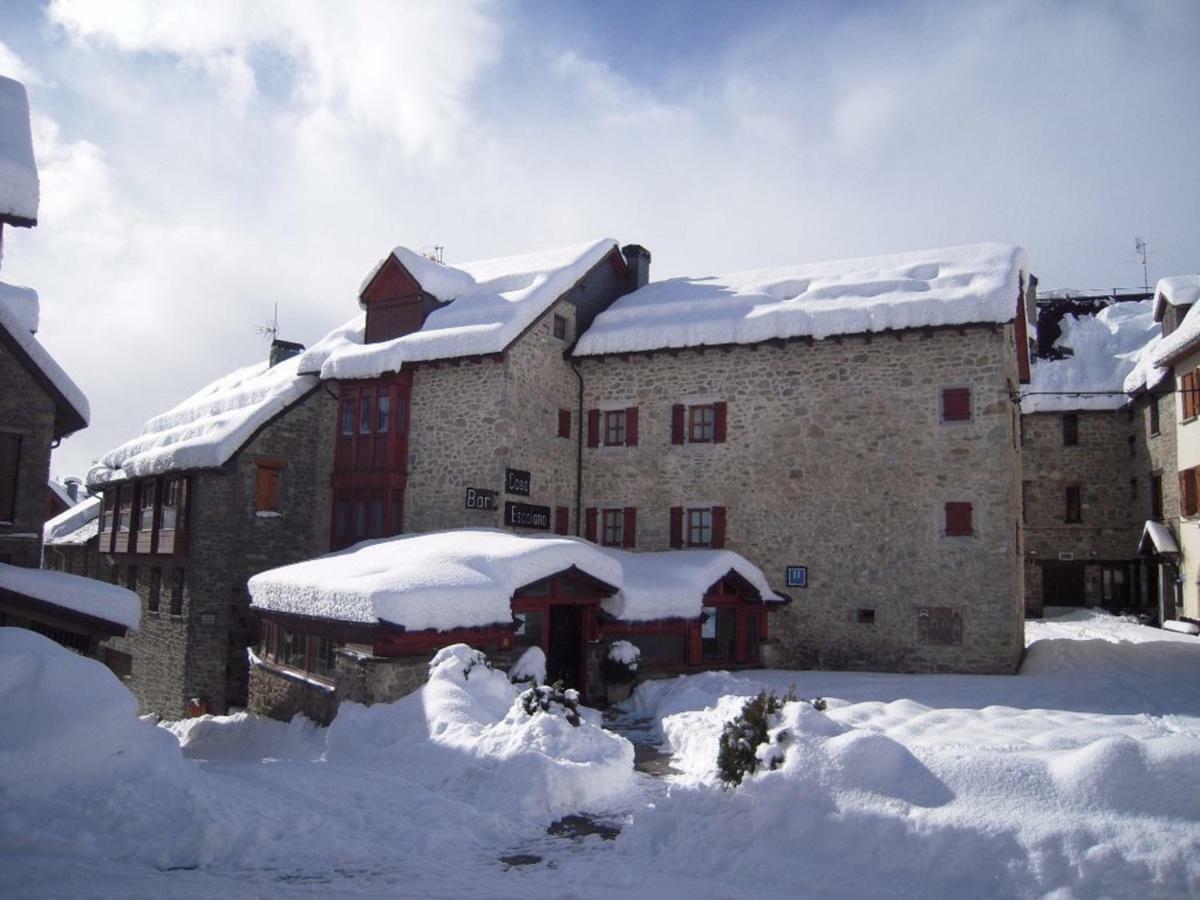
[(276, 693), (378, 679), (27, 409), (837, 458)]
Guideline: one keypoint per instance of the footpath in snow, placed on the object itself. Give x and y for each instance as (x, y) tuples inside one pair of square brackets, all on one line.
[(1077, 778)]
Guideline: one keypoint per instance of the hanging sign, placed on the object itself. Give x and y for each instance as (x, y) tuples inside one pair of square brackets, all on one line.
[(526, 515), (480, 498), (516, 481)]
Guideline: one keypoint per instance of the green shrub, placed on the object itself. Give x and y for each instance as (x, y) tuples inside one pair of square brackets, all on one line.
[(737, 755), (552, 699)]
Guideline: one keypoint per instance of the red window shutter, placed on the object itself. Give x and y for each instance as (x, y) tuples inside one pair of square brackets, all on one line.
[(630, 528), (958, 519), (562, 523), (564, 423), (266, 489), (593, 428), (718, 532), (589, 523), (676, 526), (677, 430), (631, 426), (719, 422), (956, 404)]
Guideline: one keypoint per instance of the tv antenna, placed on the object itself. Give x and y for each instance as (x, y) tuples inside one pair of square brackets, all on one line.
[(435, 253), (271, 328), (1143, 254)]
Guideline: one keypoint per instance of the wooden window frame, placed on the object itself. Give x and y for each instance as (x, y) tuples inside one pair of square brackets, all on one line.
[(956, 404), (268, 481), (612, 527), (564, 423), (11, 478), (559, 327), (959, 519), (697, 532), (614, 427)]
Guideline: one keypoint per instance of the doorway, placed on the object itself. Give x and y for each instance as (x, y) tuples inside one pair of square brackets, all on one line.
[(1062, 583), (564, 655)]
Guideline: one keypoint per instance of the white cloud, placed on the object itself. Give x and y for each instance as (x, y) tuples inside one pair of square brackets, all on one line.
[(12, 66)]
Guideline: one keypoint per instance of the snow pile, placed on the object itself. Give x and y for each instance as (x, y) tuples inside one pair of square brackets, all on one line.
[(80, 774), (467, 735), (1181, 627), (75, 525), (624, 653), (244, 736), (74, 592), (1180, 290), (490, 302), (530, 668), (466, 577), (18, 171), (1111, 351), (18, 311), (953, 286)]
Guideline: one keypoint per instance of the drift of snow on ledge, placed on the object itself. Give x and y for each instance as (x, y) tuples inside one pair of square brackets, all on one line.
[(1180, 290), (490, 302), (75, 525), (953, 286), (1110, 352), (18, 171), (86, 596), (19, 317), (466, 578)]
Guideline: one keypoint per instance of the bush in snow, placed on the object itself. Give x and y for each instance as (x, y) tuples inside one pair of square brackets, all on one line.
[(459, 659), (531, 667), (741, 748), (552, 699), (620, 664)]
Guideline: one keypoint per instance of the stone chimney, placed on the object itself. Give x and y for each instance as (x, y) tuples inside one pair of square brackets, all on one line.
[(637, 258), (281, 350), (73, 485)]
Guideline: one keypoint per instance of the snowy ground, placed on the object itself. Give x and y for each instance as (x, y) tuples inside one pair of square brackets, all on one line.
[(1078, 778)]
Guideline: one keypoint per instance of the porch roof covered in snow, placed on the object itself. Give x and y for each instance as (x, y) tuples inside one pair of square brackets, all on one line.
[(466, 578), (1157, 539), (97, 606)]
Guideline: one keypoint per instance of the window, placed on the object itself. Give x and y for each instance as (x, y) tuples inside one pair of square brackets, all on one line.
[(560, 327), (1154, 423), (266, 485), (293, 647), (131, 578), (145, 512), (323, 656), (866, 617), (170, 503), (1074, 504), (612, 523), (364, 415), (614, 427), (1189, 387), (382, 413), (400, 413), (348, 416), (1156, 497), (376, 517), (1188, 499), (698, 526), (10, 462), (698, 424), (1026, 487), (958, 520), (124, 508), (1133, 489), (155, 589), (114, 575), (564, 423), (360, 519), (107, 509), (177, 593), (562, 521), (956, 405), (1070, 425)]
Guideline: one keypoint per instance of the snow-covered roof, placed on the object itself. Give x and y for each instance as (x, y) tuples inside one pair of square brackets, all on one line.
[(1183, 290), (1159, 536), (85, 596), (60, 491), (209, 427), (19, 317), (18, 171), (465, 578), (489, 304), (1112, 352), (1176, 290), (953, 286), (76, 525)]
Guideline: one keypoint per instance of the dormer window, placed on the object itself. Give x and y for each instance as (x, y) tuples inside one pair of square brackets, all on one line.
[(395, 303)]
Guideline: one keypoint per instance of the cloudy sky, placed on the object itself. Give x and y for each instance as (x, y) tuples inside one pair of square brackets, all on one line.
[(203, 161)]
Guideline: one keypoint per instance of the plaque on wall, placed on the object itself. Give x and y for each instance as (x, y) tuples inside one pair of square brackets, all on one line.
[(480, 498), (797, 576), (526, 515), (516, 481), (939, 625)]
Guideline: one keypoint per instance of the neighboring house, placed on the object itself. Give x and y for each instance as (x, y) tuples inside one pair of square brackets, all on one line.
[(69, 539), (231, 481), (62, 495), (1097, 435), (1179, 351)]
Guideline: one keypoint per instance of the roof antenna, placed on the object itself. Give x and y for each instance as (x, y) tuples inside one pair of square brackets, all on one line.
[(271, 328), (435, 253), (1143, 253)]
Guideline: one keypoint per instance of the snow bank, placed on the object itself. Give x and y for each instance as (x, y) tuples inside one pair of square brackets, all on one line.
[(953, 286), (245, 736), (74, 592), (75, 525), (18, 171), (465, 578), (80, 774), (1111, 351), (490, 302), (1181, 627), (1180, 291), (466, 734), (16, 316)]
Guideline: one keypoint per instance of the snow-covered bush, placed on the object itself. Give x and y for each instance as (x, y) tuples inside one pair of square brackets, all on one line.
[(620, 664), (553, 700), (458, 658), (530, 668), (755, 738)]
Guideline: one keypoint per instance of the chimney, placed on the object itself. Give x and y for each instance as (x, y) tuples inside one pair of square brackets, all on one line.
[(72, 485), (281, 350), (637, 258)]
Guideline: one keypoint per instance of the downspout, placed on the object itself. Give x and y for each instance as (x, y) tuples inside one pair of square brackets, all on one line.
[(578, 441)]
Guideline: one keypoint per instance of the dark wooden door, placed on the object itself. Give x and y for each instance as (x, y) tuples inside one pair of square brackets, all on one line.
[(564, 658), (1062, 584)]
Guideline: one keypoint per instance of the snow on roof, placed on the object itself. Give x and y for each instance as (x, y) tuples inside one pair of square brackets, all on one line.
[(1111, 352), (953, 286), (1159, 535), (209, 427), (1181, 290), (465, 578), (76, 525), (60, 491), (86, 596), (490, 302), (19, 320), (18, 171)]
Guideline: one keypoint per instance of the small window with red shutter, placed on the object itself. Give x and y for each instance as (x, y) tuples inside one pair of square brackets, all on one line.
[(562, 521), (958, 520), (266, 485), (612, 427), (564, 423), (956, 405), (701, 423)]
